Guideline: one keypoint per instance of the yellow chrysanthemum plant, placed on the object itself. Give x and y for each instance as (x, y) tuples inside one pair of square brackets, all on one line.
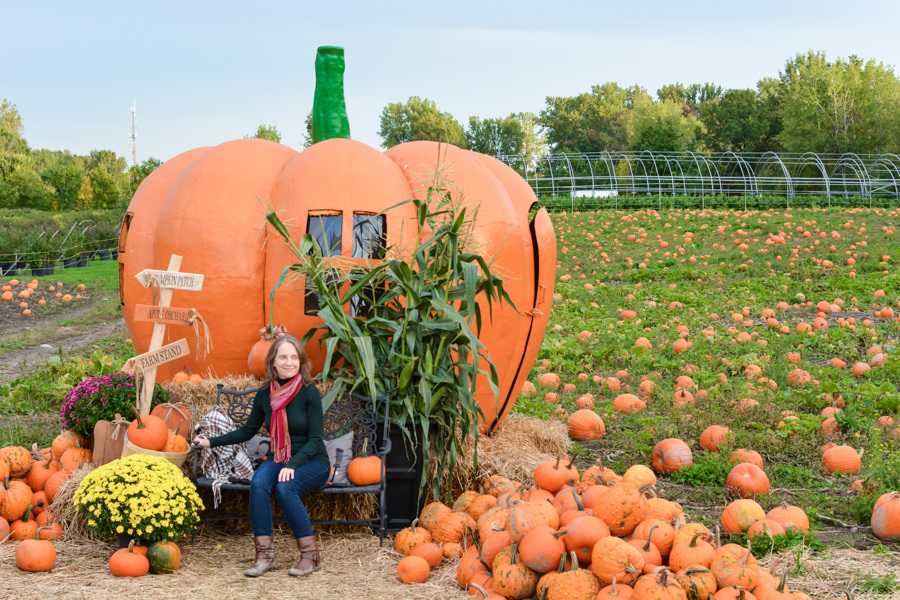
[(144, 496)]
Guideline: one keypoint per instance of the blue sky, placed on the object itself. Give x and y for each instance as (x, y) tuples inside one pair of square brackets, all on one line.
[(205, 72)]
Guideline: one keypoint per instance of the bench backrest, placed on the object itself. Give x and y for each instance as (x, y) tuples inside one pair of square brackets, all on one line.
[(359, 414)]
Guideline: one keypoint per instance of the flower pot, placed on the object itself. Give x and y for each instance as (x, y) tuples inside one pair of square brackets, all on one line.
[(7, 268), (42, 271), (103, 255), (83, 259), (125, 538), (69, 263), (403, 473)]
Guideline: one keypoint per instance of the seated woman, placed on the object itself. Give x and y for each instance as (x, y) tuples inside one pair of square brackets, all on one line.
[(290, 404)]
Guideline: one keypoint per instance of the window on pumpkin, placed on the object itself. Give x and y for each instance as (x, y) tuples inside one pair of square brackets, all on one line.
[(368, 243), (325, 227), (368, 235)]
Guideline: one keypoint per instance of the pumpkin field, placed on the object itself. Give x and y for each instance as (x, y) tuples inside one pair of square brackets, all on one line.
[(743, 361)]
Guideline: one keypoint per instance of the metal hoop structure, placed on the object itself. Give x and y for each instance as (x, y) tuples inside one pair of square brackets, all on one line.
[(747, 175)]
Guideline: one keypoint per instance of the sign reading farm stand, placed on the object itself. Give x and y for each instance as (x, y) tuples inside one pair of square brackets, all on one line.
[(160, 356), (161, 314)]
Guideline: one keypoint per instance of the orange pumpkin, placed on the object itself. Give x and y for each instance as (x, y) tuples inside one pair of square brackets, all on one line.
[(35, 555), (17, 458), (746, 480), (410, 537), (17, 498), (169, 214), (671, 455), (584, 425), (613, 558), (40, 472), (740, 515), (365, 470), (126, 562), (430, 551), (54, 483), (148, 432), (432, 514), (413, 569), (886, 516), (74, 458), (841, 459), (512, 578), (65, 440)]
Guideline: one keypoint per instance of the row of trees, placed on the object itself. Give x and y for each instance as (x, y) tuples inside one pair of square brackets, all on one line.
[(57, 179), (846, 105)]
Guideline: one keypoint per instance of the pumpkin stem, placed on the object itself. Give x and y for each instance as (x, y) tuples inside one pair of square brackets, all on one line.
[(138, 415), (780, 587), (572, 460), (412, 526), (743, 561), (646, 547), (27, 513), (479, 589), (693, 542), (37, 534), (329, 118), (578, 503)]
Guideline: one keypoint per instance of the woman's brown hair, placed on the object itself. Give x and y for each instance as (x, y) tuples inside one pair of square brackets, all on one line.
[(305, 362)]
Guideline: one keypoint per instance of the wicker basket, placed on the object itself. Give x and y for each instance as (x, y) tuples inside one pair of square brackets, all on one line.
[(176, 458)]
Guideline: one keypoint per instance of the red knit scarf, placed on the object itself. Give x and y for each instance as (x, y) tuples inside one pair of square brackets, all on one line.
[(280, 396)]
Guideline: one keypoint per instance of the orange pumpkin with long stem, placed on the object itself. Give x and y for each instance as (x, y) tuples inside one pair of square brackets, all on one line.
[(351, 182), (35, 554), (148, 432)]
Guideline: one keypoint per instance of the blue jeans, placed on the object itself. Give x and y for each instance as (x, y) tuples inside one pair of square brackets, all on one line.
[(307, 477)]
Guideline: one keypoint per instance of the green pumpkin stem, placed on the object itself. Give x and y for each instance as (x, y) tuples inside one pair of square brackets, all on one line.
[(138, 415), (646, 547), (329, 114)]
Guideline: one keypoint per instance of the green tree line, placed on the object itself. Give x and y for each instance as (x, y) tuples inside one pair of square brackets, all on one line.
[(814, 105), (58, 180)]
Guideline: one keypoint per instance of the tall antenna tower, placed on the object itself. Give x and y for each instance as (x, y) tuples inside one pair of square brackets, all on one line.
[(133, 135)]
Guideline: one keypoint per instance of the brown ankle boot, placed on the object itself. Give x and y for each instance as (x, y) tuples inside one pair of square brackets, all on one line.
[(309, 557), (265, 556)]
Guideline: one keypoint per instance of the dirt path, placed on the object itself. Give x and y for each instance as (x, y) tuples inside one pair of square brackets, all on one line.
[(70, 338)]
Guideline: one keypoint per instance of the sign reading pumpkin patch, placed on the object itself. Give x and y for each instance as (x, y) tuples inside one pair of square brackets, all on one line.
[(171, 279)]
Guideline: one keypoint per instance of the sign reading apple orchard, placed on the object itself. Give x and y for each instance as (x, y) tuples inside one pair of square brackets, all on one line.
[(163, 314)]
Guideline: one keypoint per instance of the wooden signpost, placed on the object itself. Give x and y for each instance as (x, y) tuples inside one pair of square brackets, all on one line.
[(161, 315)]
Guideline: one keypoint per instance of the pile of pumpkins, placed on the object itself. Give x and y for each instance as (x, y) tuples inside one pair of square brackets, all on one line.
[(30, 480), (593, 535), (137, 560)]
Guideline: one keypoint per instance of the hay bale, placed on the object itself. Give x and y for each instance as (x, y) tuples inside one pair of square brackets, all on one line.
[(513, 450)]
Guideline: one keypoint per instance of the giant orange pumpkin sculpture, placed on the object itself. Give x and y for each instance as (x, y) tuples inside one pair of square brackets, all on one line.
[(204, 205)]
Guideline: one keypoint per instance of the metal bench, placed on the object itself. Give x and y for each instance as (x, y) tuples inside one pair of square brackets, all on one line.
[(364, 416)]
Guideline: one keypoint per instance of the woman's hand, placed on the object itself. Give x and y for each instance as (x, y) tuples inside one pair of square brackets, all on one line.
[(285, 474), (201, 441)]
